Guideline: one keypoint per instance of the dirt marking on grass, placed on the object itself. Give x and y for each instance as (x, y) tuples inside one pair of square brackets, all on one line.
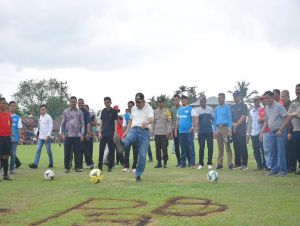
[(166, 209)]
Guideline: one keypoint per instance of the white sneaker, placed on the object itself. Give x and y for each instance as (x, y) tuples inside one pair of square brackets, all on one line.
[(200, 167), (209, 167), (125, 170), (133, 170)]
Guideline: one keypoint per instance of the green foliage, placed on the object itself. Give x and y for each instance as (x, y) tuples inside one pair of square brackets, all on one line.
[(243, 88), (190, 92), (32, 93)]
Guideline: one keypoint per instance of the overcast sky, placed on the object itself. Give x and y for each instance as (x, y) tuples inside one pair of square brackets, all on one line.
[(117, 48)]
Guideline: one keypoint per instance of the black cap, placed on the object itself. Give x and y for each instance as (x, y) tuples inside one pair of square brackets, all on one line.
[(236, 93), (184, 97), (139, 97)]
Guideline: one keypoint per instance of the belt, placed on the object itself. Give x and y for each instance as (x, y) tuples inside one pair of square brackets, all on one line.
[(139, 127), (223, 125)]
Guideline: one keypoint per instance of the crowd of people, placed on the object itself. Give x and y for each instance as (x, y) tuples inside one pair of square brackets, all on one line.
[(272, 124)]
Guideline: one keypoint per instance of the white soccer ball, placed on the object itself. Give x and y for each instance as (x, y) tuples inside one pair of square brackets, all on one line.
[(49, 174), (96, 176), (212, 176)]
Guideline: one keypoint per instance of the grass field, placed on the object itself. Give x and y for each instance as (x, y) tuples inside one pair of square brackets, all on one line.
[(238, 198)]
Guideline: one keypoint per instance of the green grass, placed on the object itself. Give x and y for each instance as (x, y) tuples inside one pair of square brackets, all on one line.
[(251, 197)]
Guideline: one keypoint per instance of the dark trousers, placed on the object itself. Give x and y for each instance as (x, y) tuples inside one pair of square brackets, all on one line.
[(296, 149), (150, 153), (91, 147), (161, 145), (240, 149), (85, 151), (258, 152), (176, 145), (119, 151), (72, 145), (111, 151), (5, 147), (291, 159), (209, 138)]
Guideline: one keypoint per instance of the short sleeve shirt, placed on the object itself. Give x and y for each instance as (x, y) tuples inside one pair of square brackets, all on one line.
[(275, 116), (87, 119), (108, 118), (185, 121), (295, 107), (138, 116), (205, 116), (5, 124), (237, 111)]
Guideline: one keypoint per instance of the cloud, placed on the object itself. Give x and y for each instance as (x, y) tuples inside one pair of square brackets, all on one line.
[(108, 35)]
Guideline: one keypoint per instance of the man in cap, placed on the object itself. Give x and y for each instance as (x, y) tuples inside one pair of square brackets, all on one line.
[(137, 132), (239, 114), (162, 131), (185, 125), (254, 128)]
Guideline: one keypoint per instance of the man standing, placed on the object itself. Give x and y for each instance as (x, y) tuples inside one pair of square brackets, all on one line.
[(174, 109), (162, 132), (276, 119), (93, 132), (277, 96), (294, 111), (239, 114), (44, 137), (17, 127), (107, 133), (254, 128), (135, 151), (84, 145), (72, 129), (222, 131), (137, 132), (184, 125), (204, 117), (118, 140), (6, 136)]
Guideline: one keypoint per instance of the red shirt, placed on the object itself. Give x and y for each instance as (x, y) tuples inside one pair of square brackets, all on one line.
[(262, 115), (119, 127), (5, 124)]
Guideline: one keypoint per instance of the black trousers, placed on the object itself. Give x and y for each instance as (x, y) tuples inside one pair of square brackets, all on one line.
[(72, 145), (176, 144), (109, 140), (240, 149), (296, 150), (161, 145), (258, 152), (209, 138), (150, 153), (85, 151)]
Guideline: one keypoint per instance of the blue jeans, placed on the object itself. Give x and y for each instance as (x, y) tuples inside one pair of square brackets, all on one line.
[(140, 138), (13, 151), (186, 141), (39, 149), (267, 144), (278, 155)]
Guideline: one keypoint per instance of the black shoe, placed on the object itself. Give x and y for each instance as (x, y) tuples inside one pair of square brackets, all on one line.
[(219, 167), (7, 178), (91, 166), (67, 171), (158, 165), (18, 165), (50, 166), (32, 166), (109, 170), (165, 164), (138, 179)]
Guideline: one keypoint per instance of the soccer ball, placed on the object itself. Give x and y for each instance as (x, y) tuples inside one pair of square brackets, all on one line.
[(49, 174), (212, 176), (96, 176)]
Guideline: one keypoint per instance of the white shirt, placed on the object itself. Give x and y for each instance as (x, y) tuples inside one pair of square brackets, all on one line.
[(255, 125), (138, 116), (45, 126)]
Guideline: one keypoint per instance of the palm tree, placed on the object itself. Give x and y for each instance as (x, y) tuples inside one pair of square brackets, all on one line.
[(243, 88)]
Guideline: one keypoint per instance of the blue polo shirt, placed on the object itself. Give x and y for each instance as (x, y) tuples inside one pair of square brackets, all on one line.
[(223, 116), (185, 121)]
